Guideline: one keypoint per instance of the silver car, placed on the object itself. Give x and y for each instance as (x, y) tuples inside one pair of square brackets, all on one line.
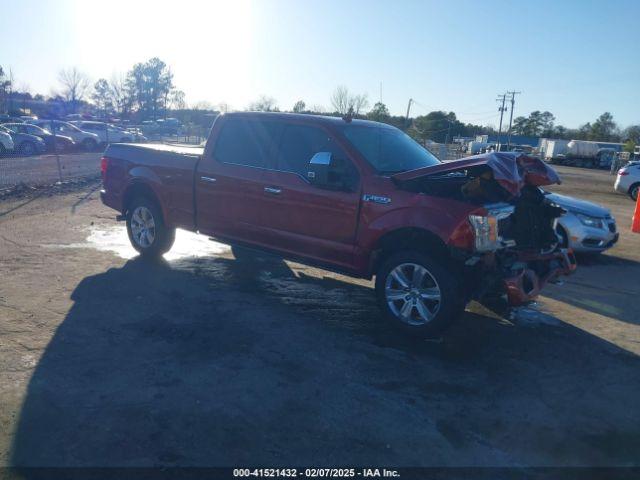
[(628, 180), (586, 227)]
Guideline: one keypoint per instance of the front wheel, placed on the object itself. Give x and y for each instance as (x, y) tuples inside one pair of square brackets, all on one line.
[(147, 232), (418, 294)]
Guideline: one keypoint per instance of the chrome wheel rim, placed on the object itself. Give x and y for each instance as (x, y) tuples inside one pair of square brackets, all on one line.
[(413, 294), (143, 227)]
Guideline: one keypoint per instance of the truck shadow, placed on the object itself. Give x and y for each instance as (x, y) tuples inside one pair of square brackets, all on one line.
[(217, 362)]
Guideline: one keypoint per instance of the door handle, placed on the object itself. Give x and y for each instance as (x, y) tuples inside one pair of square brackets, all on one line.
[(208, 179), (273, 190)]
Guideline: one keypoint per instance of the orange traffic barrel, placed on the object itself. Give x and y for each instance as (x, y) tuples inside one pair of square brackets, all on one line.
[(635, 224)]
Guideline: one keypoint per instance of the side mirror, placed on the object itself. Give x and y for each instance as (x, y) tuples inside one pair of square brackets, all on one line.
[(318, 171), (327, 172)]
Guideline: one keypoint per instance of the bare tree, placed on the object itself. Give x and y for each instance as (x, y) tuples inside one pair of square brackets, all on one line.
[(341, 100), (359, 103), (177, 100), (344, 102), (75, 85), (264, 104)]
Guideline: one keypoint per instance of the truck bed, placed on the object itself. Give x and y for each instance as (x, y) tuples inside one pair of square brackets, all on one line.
[(167, 169)]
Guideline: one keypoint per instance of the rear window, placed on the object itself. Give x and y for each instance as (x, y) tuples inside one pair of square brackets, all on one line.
[(247, 142)]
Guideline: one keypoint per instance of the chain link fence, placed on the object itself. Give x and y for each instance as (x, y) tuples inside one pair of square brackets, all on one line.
[(47, 169)]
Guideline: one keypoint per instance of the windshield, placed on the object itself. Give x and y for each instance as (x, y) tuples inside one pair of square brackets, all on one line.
[(388, 150), (70, 126)]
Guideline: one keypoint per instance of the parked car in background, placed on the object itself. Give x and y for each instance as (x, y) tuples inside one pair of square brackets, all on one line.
[(628, 179), (54, 143), (106, 132), (586, 227), (24, 143), (138, 136), (6, 142), (87, 140)]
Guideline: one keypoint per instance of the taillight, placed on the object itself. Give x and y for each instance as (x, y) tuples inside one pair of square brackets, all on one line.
[(622, 173), (104, 164)]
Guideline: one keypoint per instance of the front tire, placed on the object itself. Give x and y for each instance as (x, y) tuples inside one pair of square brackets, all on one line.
[(147, 231), (418, 294)]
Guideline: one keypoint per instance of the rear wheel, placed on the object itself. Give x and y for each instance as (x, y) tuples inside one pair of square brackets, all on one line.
[(146, 228), (634, 191), (418, 294)]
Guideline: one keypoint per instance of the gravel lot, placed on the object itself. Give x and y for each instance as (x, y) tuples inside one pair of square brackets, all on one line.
[(203, 359)]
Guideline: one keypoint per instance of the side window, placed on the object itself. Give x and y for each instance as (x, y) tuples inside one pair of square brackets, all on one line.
[(301, 142), (246, 142)]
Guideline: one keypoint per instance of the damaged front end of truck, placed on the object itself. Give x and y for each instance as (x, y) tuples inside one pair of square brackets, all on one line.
[(507, 245)]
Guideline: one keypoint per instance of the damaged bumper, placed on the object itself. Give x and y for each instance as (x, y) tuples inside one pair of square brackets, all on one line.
[(536, 271)]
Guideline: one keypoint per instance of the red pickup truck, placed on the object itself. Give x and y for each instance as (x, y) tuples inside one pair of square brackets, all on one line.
[(352, 196)]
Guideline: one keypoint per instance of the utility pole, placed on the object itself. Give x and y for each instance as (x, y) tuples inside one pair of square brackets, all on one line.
[(513, 101), (406, 120), (501, 98)]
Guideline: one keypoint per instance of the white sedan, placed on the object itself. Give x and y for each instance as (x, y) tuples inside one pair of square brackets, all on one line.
[(628, 179), (106, 132)]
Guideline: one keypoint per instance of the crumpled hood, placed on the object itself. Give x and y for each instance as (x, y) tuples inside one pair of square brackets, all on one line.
[(510, 169), (578, 206)]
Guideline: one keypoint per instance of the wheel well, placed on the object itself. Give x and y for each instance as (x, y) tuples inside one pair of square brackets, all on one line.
[(138, 190), (409, 238)]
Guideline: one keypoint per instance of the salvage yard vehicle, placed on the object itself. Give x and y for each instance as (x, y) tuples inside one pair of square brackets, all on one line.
[(24, 143), (353, 196), (6, 142), (105, 132), (53, 142), (628, 180), (585, 227), (88, 140)]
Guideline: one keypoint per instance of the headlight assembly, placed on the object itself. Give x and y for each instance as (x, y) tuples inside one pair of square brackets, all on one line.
[(588, 221)]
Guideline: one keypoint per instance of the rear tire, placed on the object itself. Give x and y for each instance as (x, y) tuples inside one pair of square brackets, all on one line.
[(147, 231), (634, 190), (418, 294)]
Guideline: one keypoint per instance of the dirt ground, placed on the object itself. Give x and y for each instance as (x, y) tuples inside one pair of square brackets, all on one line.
[(203, 359)]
